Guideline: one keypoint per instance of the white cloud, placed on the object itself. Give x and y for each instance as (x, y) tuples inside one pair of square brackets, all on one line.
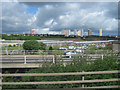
[(73, 16), (48, 23), (108, 28), (61, 17), (45, 29), (42, 31), (15, 18), (9, 0), (51, 18)]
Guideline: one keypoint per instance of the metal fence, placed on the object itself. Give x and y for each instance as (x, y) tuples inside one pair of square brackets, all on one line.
[(48, 58), (33, 52), (53, 52), (23, 59)]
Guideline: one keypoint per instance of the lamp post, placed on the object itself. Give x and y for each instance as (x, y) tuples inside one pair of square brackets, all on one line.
[(6, 46)]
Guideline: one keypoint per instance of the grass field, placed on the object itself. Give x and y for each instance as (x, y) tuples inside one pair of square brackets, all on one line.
[(21, 48), (13, 48)]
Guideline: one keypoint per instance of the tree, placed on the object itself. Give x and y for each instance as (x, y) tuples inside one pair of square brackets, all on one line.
[(50, 48), (42, 46), (31, 45)]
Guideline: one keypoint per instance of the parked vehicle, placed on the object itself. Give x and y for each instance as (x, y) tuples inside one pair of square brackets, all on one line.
[(70, 53), (62, 48)]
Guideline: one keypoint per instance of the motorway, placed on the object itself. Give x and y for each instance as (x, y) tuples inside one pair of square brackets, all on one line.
[(38, 58), (27, 61), (21, 59), (30, 61)]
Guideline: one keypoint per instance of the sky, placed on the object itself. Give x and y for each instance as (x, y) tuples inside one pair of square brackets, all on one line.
[(52, 17)]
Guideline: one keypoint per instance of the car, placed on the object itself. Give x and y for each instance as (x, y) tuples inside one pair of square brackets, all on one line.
[(78, 50), (69, 54), (62, 48)]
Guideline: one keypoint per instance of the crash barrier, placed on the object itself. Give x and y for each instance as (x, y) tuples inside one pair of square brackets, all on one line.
[(52, 52), (50, 58)]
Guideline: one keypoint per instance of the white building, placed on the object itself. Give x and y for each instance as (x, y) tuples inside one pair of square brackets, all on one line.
[(75, 32), (66, 32), (81, 33)]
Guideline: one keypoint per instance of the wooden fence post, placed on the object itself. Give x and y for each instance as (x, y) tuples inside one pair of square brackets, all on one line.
[(83, 78), (1, 81)]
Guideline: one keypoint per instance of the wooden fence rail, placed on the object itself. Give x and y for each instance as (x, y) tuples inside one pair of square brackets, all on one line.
[(59, 82), (59, 74)]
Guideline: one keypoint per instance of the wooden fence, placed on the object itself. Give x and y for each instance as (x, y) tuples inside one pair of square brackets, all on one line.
[(83, 81)]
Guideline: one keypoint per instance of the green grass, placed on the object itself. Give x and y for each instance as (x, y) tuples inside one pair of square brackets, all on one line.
[(21, 48), (13, 48), (104, 48)]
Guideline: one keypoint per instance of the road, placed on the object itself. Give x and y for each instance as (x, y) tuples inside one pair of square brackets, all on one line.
[(39, 58), (28, 61)]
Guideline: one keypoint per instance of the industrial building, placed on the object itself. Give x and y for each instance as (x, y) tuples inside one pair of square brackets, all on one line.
[(116, 47)]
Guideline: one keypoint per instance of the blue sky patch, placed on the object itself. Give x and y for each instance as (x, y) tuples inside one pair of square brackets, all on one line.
[(32, 10)]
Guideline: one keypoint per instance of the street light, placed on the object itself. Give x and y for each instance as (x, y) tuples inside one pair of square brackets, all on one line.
[(6, 46)]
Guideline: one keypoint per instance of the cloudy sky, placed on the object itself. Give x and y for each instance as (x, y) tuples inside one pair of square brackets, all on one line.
[(52, 17)]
